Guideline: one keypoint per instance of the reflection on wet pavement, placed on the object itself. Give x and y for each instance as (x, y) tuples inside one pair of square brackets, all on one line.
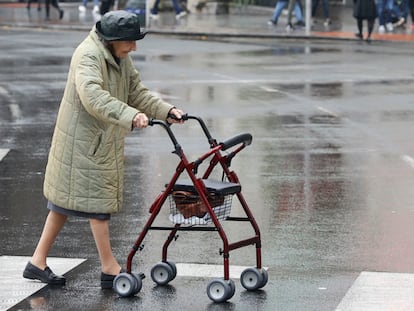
[(325, 176)]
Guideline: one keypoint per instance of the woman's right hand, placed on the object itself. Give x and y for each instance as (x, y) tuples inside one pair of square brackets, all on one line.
[(140, 120)]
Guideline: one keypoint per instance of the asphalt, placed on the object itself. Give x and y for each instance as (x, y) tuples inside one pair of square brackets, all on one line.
[(242, 21)]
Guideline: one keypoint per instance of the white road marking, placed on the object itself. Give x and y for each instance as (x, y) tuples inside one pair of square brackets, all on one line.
[(3, 153), (210, 271), (379, 291), (15, 111), (409, 160), (327, 111), (14, 288), (270, 89)]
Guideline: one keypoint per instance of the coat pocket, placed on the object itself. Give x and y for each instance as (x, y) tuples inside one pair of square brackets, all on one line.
[(96, 143)]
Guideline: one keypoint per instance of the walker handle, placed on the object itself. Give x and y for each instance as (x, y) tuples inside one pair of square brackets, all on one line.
[(244, 138), (184, 117)]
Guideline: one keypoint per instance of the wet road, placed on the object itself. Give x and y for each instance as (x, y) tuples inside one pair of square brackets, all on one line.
[(328, 176)]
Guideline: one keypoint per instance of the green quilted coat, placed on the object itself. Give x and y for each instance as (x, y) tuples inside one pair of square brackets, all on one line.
[(85, 168)]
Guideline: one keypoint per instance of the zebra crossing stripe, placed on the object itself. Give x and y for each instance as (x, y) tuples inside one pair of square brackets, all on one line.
[(3, 153)]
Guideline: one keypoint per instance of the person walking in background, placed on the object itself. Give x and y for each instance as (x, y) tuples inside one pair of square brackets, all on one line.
[(179, 12), (29, 2), (280, 5), (411, 12), (385, 8), (325, 8), (399, 13), (55, 4), (365, 10), (83, 6), (291, 5), (103, 101), (106, 6)]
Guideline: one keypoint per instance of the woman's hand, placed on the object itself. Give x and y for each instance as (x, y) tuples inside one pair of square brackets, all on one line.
[(177, 113), (140, 120)]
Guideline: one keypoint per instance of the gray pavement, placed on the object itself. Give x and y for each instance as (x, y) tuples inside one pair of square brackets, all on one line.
[(242, 21), (328, 176)]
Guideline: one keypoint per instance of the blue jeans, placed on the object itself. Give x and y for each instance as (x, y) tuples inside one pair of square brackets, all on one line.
[(384, 8), (280, 5), (401, 10), (177, 7), (95, 2)]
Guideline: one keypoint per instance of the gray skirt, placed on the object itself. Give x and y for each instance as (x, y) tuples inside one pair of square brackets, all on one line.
[(68, 212)]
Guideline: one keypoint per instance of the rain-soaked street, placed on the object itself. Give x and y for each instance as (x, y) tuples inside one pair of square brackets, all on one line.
[(328, 177)]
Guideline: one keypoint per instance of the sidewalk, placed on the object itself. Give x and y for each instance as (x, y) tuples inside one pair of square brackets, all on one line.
[(242, 21)]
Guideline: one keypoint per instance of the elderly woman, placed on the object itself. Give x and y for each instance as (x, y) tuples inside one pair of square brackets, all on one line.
[(103, 101)]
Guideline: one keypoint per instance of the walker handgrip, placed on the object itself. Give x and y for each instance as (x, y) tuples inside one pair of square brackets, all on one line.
[(245, 138), (184, 117)]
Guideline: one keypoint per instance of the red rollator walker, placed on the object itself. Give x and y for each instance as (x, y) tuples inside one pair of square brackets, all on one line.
[(199, 204)]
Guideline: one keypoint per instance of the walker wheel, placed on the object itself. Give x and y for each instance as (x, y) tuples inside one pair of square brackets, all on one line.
[(138, 283), (232, 288), (125, 284), (162, 273), (219, 290), (265, 278), (174, 269), (252, 279)]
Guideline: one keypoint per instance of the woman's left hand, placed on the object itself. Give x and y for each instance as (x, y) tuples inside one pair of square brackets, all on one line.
[(178, 116)]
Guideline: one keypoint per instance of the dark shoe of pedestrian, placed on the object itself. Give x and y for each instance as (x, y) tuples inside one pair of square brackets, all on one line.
[(45, 276), (359, 36), (107, 280), (271, 22), (61, 14), (200, 5), (369, 40), (300, 24), (289, 27)]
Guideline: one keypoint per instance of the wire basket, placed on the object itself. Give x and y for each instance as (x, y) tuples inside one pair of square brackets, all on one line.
[(188, 207)]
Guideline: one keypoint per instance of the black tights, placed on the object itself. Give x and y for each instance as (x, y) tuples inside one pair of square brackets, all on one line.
[(411, 7), (370, 26), (54, 3)]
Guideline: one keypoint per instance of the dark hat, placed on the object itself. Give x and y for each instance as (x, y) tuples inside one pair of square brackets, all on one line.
[(120, 26)]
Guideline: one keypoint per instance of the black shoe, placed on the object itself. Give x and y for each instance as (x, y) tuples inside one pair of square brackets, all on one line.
[(107, 280), (359, 36), (46, 276), (289, 27), (61, 14), (300, 24)]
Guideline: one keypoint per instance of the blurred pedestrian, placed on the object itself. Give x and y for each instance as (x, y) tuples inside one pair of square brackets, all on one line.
[(179, 12), (103, 101), (106, 6), (29, 2), (291, 5), (280, 5), (399, 13), (55, 4), (83, 6), (325, 8), (411, 12), (385, 8), (365, 10)]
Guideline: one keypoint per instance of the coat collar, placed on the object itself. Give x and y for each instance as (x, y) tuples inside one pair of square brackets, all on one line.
[(105, 51)]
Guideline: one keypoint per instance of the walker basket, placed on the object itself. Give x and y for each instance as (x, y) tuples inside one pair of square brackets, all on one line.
[(185, 203), (190, 204)]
